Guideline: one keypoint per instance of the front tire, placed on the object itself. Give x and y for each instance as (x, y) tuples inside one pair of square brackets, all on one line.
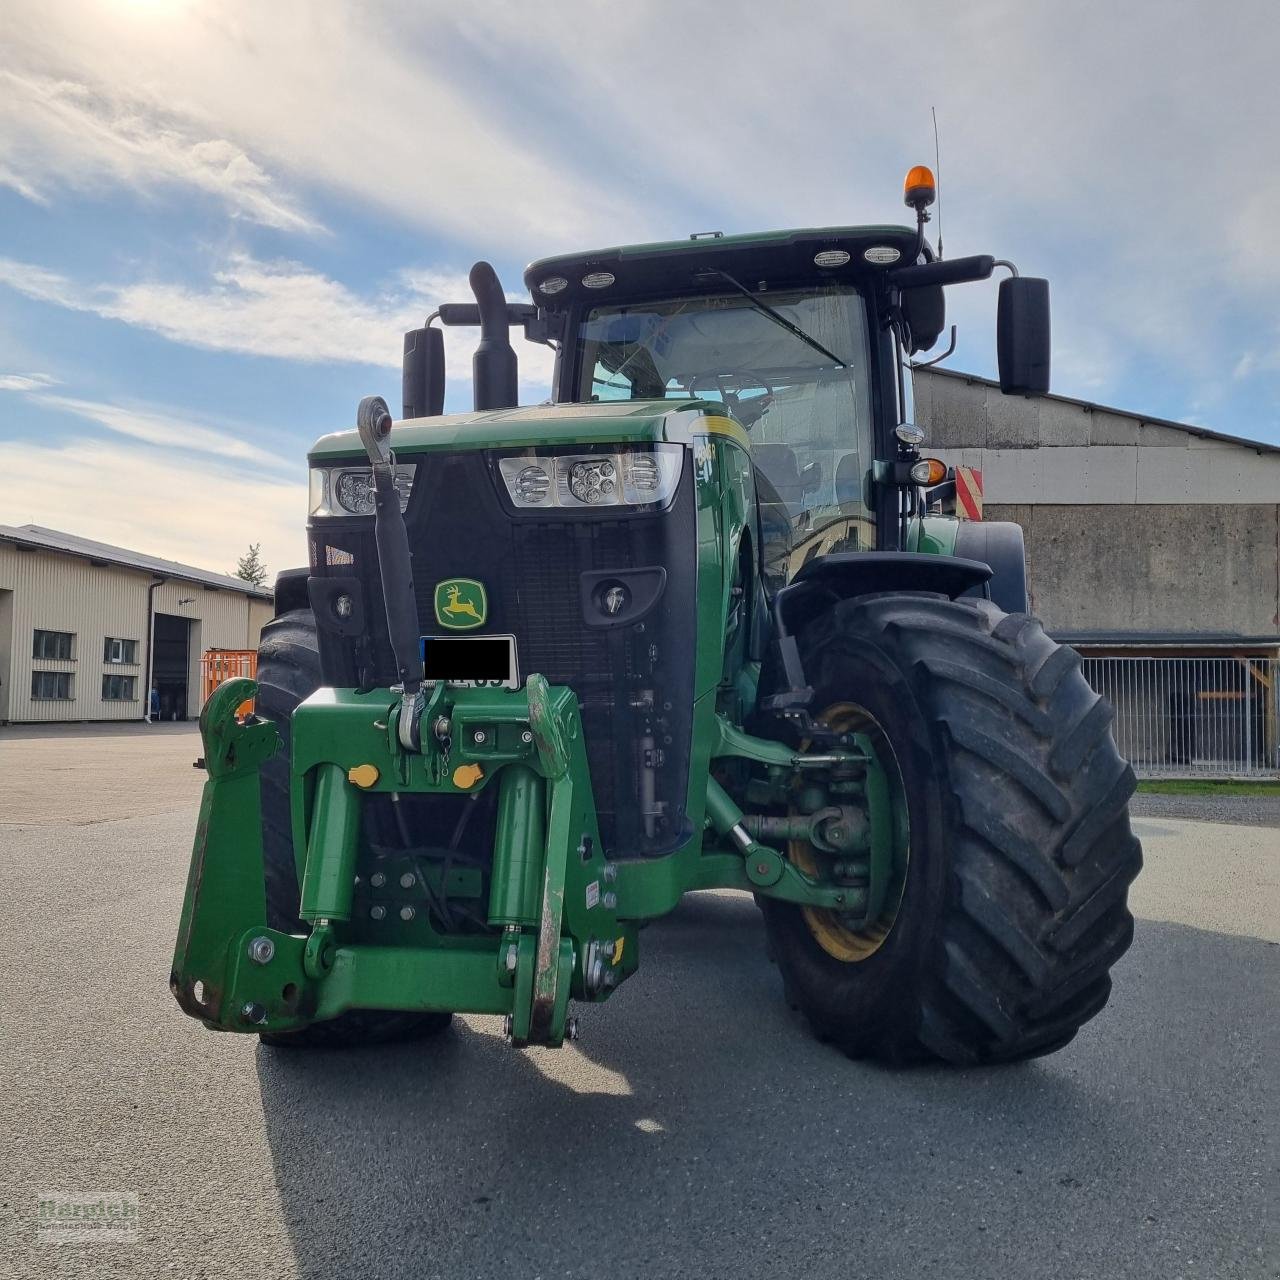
[(288, 672), (1012, 908)]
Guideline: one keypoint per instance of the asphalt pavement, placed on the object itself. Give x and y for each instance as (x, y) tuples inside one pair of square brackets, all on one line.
[(1257, 809), (696, 1129)]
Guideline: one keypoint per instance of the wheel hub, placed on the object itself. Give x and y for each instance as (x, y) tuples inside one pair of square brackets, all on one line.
[(850, 936)]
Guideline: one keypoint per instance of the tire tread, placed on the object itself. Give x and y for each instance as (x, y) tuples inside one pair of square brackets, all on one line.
[(1034, 911)]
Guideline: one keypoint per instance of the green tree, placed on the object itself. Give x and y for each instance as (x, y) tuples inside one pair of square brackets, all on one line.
[(251, 568)]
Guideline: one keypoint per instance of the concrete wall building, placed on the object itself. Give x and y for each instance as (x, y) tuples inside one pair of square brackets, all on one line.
[(83, 625), (1146, 540), (1134, 526)]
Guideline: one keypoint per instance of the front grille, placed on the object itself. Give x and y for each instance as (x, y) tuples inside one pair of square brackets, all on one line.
[(634, 684), (549, 560)]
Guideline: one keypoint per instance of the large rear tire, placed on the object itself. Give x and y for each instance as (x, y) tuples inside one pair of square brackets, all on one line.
[(288, 671), (1012, 907)]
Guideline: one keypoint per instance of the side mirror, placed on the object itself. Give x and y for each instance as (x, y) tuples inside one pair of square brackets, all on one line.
[(1022, 336), (423, 373), (925, 311)]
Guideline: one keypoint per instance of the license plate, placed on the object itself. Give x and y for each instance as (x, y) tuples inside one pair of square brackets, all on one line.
[(476, 662)]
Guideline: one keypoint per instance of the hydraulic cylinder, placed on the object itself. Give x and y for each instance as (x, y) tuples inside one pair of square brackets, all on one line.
[(329, 876), (519, 849)]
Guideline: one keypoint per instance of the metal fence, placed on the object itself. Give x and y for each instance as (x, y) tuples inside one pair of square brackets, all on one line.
[(217, 665), (1193, 717)]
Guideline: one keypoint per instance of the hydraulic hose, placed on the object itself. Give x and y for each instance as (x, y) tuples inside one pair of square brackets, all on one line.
[(373, 420)]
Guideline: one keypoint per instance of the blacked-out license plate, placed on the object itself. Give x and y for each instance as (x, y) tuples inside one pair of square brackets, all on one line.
[(482, 662)]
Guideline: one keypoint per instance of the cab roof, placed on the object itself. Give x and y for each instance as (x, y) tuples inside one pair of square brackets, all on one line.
[(771, 257)]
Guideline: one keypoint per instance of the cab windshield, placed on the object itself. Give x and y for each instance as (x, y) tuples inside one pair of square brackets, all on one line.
[(804, 398)]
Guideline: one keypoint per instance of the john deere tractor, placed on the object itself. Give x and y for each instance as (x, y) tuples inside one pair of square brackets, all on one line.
[(700, 621)]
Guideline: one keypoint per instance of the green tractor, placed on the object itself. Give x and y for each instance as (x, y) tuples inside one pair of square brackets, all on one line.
[(698, 622)]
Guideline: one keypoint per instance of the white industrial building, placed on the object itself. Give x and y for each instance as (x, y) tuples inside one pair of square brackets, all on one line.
[(87, 629)]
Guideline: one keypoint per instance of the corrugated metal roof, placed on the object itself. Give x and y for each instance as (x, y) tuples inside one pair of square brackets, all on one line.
[(33, 535), (1260, 445)]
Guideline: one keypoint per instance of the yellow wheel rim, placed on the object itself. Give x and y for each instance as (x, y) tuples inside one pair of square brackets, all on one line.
[(832, 930)]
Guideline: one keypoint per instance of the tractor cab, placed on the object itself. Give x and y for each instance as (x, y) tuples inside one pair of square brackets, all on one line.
[(794, 372), (781, 328), (804, 337)]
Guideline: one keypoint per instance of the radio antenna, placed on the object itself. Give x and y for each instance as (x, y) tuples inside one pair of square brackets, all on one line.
[(937, 168)]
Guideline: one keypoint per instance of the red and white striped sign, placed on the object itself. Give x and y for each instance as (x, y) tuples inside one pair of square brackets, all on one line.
[(969, 493)]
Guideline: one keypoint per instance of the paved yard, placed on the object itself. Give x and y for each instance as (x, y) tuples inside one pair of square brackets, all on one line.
[(86, 773), (694, 1130)]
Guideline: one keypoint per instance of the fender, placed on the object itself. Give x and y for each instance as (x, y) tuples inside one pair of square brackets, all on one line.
[(291, 590), (999, 544), (825, 580), (861, 573)]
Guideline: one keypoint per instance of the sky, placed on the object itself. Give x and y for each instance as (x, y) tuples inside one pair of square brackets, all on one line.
[(218, 217)]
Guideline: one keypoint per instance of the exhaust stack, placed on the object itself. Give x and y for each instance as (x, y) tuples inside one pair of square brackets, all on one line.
[(493, 367)]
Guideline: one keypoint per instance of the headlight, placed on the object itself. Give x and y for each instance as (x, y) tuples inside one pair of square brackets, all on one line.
[(531, 485), (623, 477), (594, 482), (348, 491)]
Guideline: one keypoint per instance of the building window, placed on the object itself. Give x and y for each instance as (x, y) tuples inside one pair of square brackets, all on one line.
[(123, 652), (119, 688), (46, 685), (52, 644)]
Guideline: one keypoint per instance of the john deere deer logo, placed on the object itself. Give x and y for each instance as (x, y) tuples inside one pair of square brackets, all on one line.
[(461, 604)]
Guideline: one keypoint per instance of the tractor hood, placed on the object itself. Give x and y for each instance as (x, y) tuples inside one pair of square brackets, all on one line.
[(625, 422)]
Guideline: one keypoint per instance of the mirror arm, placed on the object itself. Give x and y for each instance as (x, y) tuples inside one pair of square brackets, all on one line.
[(952, 271), (928, 364)]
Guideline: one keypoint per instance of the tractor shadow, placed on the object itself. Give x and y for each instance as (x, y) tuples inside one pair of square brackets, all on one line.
[(696, 1127)]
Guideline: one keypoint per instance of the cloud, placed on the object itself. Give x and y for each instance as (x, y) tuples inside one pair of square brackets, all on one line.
[(165, 430), (60, 133), (197, 512), (1115, 152), (160, 426), (25, 381), (357, 101), (281, 309), (39, 283), (1256, 362), (16, 182)]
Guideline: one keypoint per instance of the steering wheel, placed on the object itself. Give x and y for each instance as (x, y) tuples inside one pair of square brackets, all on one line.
[(748, 412)]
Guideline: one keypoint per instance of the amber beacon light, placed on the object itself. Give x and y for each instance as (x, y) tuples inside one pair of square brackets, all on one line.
[(919, 189)]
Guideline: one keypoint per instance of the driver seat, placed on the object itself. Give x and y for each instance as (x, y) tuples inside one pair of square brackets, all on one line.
[(782, 471)]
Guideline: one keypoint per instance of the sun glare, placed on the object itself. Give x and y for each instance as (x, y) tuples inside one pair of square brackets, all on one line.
[(151, 8)]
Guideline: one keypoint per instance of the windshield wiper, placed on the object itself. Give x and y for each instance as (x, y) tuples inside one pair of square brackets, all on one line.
[(776, 316)]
